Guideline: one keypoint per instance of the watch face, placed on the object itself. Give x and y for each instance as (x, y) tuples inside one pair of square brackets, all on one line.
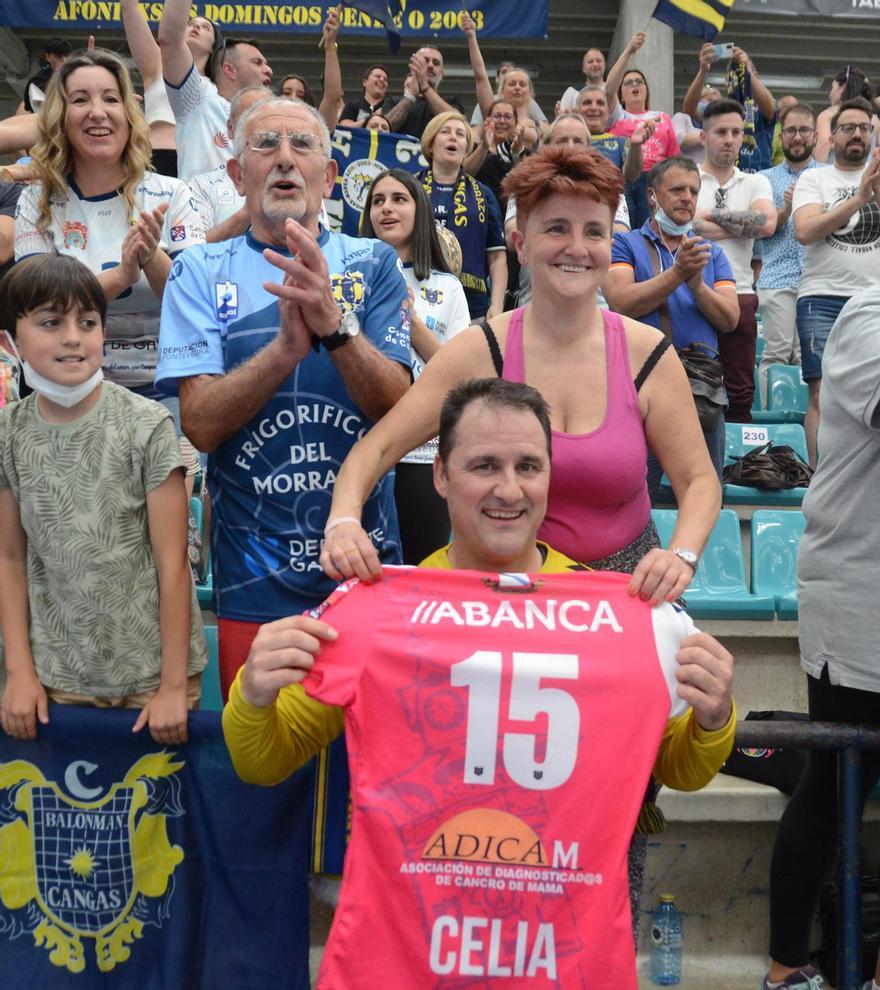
[(351, 325)]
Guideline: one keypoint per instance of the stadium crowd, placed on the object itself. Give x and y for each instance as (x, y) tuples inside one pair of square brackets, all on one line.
[(173, 289)]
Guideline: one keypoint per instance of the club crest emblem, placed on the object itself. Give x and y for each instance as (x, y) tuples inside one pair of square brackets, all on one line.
[(76, 235), (74, 870), (348, 290), (432, 296), (356, 180)]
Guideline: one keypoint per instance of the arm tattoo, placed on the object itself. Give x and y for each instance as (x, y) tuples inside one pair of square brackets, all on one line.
[(398, 114), (740, 223)]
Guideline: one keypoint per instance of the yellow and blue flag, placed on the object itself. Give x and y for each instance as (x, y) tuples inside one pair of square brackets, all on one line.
[(127, 865), (701, 18), (383, 11)]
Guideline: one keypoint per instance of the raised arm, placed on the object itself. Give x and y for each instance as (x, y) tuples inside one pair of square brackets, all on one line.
[(399, 113), (618, 70), (419, 68), (177, 59), (331, 101), (635, 153), (760, 94), (485, 93), (691, 102), (141, 43)]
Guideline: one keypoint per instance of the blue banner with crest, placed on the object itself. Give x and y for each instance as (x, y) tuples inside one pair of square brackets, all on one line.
[(125, 865), (418, 18), (360, 156)]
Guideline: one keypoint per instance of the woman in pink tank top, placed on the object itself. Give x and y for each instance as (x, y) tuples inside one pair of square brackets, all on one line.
[(612, 389)]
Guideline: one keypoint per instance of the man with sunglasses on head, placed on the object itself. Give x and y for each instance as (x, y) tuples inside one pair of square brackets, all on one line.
[(284, 344), (783, 256), (837, 218), (734, 208)]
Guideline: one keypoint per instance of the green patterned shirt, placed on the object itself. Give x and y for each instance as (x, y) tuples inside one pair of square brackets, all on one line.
[(93, 588)]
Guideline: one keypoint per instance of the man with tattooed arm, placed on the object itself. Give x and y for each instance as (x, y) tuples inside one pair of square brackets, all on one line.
[(735, 208)]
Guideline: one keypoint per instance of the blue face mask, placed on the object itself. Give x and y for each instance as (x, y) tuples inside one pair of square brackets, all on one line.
[(669, 227)]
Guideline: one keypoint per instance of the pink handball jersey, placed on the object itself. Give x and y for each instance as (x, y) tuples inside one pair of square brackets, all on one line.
[(500, 732)]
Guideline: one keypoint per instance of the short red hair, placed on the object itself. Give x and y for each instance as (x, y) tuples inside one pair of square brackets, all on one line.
[(562, 171)]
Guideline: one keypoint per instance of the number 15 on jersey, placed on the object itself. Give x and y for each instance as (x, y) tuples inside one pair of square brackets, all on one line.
[(481, 675)]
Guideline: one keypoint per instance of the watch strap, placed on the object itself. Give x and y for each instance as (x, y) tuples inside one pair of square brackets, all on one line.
[(330, 342)]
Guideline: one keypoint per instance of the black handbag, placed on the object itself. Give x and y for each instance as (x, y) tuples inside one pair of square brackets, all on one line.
[(779, 768), (707, 384)]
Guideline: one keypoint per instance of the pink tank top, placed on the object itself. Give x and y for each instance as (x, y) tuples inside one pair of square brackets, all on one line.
[(598, 499)]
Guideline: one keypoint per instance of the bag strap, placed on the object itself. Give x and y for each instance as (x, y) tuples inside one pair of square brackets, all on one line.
[(655, 355), (492, 341), (663, 308)]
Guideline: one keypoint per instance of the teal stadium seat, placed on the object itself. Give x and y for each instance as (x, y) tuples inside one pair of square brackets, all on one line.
[(205, 590), (757, 410), (211, 699), (742, 437), (718, 590), (787, 393), (775, 538), (759, 348)]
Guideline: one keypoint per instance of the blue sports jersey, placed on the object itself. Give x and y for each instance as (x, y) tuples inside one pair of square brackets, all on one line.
[(612, 146), (271, 482)]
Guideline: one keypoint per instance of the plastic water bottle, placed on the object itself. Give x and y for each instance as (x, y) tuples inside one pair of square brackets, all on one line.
[(666, 943)]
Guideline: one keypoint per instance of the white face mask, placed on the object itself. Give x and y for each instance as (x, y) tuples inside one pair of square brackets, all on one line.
[(669, 226), (62, 395)]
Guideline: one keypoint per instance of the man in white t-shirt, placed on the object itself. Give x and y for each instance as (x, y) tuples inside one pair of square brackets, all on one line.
[(735, 208), (837, 217), (219, 203), (201, 107), (593, 67)]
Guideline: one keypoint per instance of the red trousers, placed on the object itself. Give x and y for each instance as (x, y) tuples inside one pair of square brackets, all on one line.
[(234, 640), (737, 351)]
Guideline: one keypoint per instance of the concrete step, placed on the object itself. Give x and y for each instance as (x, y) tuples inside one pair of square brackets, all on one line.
[(715, 857)]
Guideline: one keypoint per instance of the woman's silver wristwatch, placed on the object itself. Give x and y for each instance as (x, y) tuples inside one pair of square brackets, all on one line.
[(688, 556)]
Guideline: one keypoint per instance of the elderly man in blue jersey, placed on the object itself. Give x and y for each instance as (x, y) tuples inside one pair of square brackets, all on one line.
[(284, 344)]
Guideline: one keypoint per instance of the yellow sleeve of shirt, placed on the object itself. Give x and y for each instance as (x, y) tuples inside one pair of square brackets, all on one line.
[(268, 744), (689, 756)]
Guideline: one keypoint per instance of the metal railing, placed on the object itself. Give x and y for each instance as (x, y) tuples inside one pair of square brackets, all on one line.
[(849, 740)]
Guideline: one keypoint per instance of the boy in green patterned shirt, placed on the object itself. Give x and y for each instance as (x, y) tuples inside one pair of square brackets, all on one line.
[(97, 602)]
